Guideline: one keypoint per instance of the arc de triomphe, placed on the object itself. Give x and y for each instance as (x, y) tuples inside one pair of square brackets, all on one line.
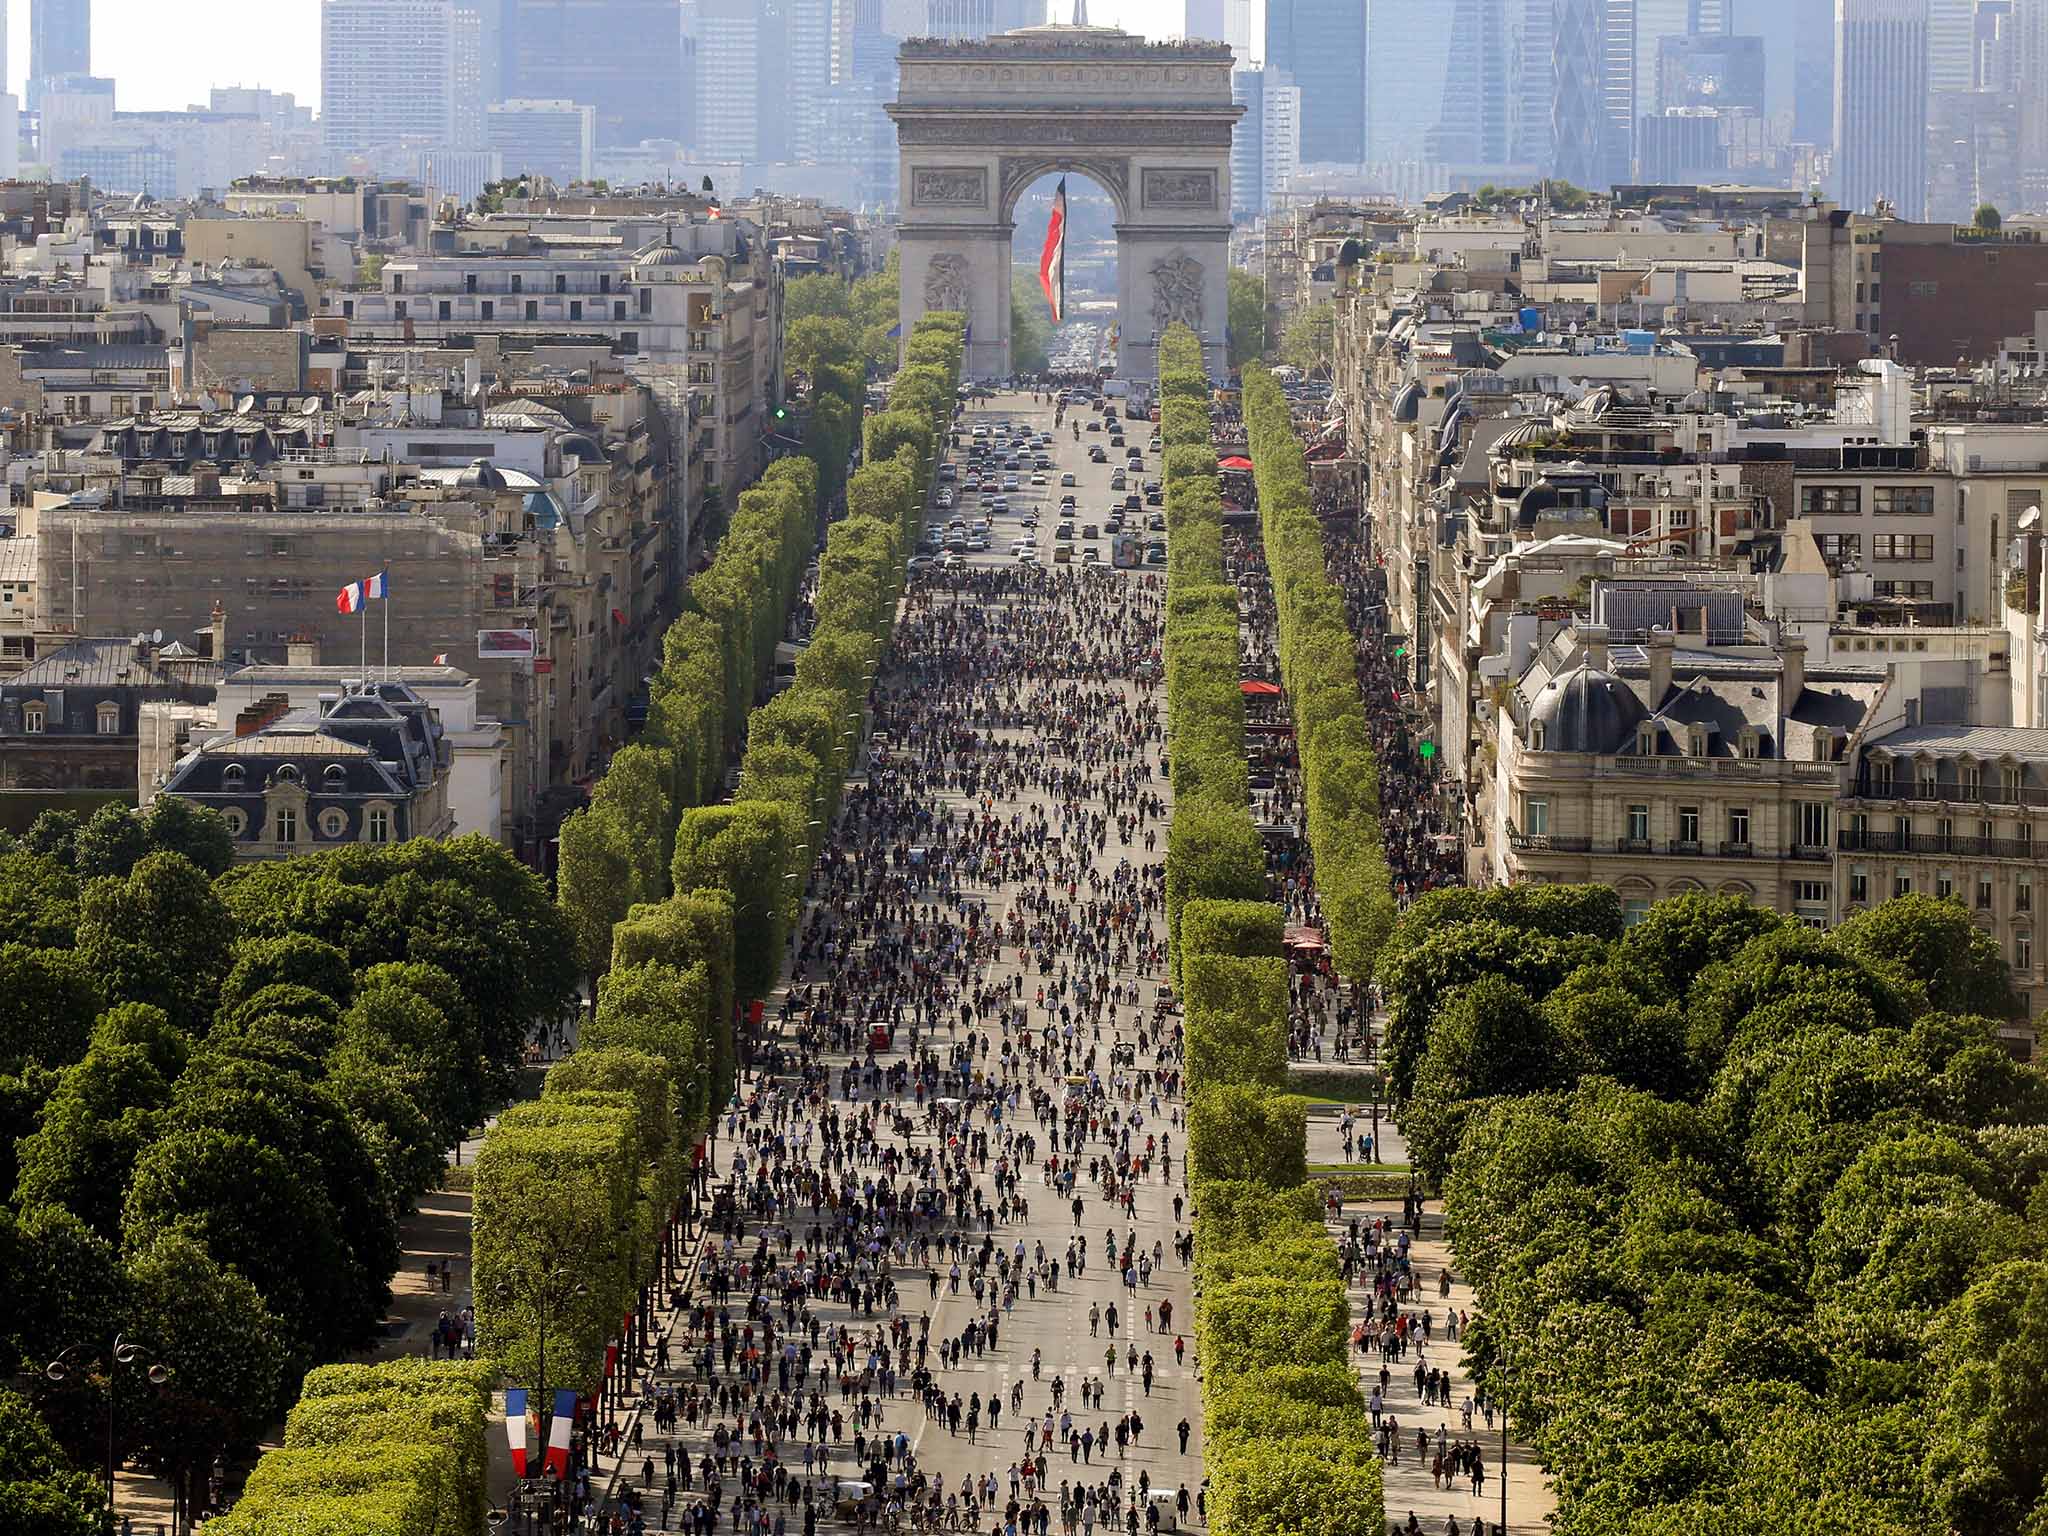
[(978, 122)]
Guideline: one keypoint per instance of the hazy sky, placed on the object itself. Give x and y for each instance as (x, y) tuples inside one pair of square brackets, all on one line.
[(168, 55)]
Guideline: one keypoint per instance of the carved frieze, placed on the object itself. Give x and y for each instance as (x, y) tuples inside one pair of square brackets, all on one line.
[(949, 186), (1180, 187), (1075, 131)]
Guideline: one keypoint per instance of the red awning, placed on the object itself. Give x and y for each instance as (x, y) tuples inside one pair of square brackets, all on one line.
[(618, 616), (1252, 687), (1235, 461), (1300, 937)]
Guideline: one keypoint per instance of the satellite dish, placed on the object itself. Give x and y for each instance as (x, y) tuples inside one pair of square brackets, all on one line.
[(310, 406), (140, 638), (156, 637), (245, 405)]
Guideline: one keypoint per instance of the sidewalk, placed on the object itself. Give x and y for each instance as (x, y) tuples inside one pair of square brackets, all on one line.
[(1530, 1501)]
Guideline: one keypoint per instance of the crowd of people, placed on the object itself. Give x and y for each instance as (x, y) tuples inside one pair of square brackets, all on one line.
[(967, 1136)]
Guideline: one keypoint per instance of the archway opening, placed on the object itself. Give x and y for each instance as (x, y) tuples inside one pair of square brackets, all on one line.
[(1084, 342)]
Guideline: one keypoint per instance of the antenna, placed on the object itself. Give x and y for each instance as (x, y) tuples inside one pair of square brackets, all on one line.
[(156, 637), (245, 405)]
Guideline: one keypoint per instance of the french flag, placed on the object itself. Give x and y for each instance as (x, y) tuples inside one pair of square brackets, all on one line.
[(350, 598), (558, 1433), (378, 585), (515, 1427)]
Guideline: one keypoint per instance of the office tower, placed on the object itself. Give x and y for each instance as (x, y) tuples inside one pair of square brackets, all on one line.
[(543, 138), (1202, 20), (386, 72), (980, 18), (731, 57), (1247, 145), (861, 48), (621, 56), (1531, 26), (59, 40), (1579, 104), (1476, 111), (1659, 19), (1320, 46), (1408, 55), (903, 18), (467, 96), (1951, 45), (1618, 89), (1813, 75), (1881, 63), (1724, 72), (1240, 32), (1973, 153)]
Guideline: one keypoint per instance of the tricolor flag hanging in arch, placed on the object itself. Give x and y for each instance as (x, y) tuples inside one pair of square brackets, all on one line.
[(1052, 264)]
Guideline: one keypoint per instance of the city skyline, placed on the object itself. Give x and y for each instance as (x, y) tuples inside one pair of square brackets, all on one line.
[(278, 47)]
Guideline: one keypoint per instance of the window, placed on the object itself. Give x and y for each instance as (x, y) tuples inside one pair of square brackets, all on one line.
[(1689, 825), (2023, 949), (1945, 884), (518, 283), (1537, 734), (333, 822), (1830, 500), (442, 310), (1859, 883), (1639, 823), (1903, 500), (380, 826), (575, 309), (2026, 839), (2023, 894), (1810, 893), (1633, 910), (1881, 776), (1538, 817), (1902, 882), (287, 824), (533, 309), (237, 820), (489, 308), (1902, 546), (1983, 893), (1841, 546), (1813, 823), (110, 719), (32, 719), (1909, 591), (1738, 825), (646, 301)]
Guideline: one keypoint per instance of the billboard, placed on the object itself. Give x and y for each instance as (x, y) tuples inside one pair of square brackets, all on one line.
[(505, 645)]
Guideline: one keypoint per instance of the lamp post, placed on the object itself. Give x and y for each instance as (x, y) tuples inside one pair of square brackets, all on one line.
[(548, 1290), (123, 1351)]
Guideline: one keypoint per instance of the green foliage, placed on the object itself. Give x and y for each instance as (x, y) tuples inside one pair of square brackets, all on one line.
[(1254, 1322), (40, 1492), (1929, 943), (1240, 1132), (1309, 339), (1236, 1009), (744, 848), (295, 959), (157, 935), (1030, 324), (1247, 318), (1299, 1488), (102, 1114), (47, 1004), (38, 898)]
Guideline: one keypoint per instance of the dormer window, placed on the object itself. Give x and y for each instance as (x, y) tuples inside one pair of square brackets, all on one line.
[(109, 719), (32, 718), (334, 773), (1823, 746), (233, 775), (1747, 742), (1697, 738), (1538, 732), (288, 773), (1646, 740)]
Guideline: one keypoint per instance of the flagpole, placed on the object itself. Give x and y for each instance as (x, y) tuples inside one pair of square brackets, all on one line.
[(363, 641), (384, 663)]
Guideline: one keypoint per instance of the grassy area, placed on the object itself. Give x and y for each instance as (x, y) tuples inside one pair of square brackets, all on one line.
[(1343, 1170)]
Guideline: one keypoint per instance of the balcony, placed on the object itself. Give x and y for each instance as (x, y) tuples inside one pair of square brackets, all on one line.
[(1735, 850), (1952, 794), (1635, 845), (1544, 842), (1934, 843)]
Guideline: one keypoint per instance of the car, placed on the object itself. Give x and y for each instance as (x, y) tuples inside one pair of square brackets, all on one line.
[(999, 506), (1013, 462), (981, 429), (1064, 531), (1156, 523), (1063, 554), (1152, 485), (919, 564), (1068, 478), (1155, 498), (1017, 544), (1012, 483), (1094, 426), (1109, 413), (1068, 500), (1114, 523), (1131, 503), (1155, 554), (1029, 520), (1038, 479), (1090, 556), (945, 500), (1090, 531), (1116, 439), (954, 561), (948, 472), (1098, 455), (956, 544), (1117, 481), (973, 484), (976, 543), (1026, 557), (1044, 461)]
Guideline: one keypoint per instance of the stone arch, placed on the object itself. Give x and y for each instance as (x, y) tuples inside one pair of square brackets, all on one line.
[(977, 122), (1740, 888)]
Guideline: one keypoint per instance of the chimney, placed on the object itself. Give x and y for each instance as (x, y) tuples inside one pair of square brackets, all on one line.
[(1593, 645), (205, 480), (266, 709), (219, 622), (1793, 650), (1662, 643), (303, 649)]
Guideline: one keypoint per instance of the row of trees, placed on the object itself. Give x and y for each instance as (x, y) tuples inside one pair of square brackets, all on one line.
[(867, 310), (1212, 847), (1286, 1440), (1319, 664), (1758, 1216), (588, 1177), (222, 1096)]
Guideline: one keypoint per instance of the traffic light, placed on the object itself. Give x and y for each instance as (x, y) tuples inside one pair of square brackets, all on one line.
[(1427, 749)]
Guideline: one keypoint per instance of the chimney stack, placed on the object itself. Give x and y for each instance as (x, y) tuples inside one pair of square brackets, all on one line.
[(219, 621), (1662, 644), (1793, 650), (303, 649)]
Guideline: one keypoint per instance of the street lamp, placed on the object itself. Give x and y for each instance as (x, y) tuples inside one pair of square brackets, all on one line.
[(109, 1358), (549, 1291)]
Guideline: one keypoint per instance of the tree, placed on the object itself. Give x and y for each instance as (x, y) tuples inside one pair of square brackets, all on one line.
[(1309, 340), (1030, 325), (1988, 219), (816, 340), (199, 832), (111, 843), (296, 959), (47, 1005), (160, 935), (818, 295), (40, 1493), (38, 899), (636, 783), (744, 848), (1930, 944), (102, 1115), (595, 883), (1247, 317), (54, 834), (208, 1325)]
